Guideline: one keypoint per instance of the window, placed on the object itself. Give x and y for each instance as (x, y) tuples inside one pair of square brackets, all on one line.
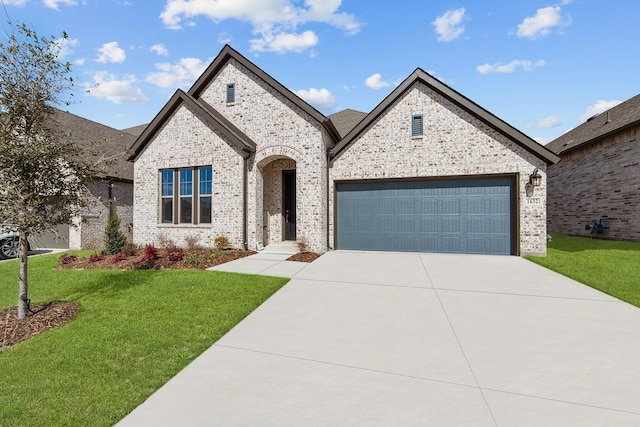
[(185, 195), (416, 125), (205, 195), (166, 202), (231, 93)]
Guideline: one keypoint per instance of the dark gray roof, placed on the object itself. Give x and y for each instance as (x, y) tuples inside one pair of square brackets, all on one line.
[(136, 130), (346, 120), (206, 113), (616, 119), (456, 98), (112, 143)]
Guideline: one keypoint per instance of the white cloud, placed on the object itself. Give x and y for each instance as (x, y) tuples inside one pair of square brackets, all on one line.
[(449, 26), (224, 38), (375, 81), (542, 140), (110, 52), (322, 99), (159, 49), (526, 65), (542, 22), (53, 4), (274, 21), (284, 42), (181, 74), (107, 86), (65, 47), (599, 107), (15, 2), (547, 122)]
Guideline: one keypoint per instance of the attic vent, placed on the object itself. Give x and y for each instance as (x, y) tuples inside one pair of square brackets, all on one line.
[(593, 117), (231, 93), (416, 125)]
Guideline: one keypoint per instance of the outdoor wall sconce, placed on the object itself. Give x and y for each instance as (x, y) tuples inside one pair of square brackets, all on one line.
[(535, 179)]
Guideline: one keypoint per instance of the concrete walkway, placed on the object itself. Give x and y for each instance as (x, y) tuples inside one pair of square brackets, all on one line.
[(362, 338)]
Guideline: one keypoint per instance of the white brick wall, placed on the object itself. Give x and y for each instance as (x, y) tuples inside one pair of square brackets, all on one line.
[(454, 144), (185, 141)]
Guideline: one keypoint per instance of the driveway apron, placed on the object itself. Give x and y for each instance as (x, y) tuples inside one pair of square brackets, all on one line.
[(374, 338)]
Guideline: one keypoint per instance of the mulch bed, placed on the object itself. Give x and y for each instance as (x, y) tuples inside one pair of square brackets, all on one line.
[(304, 257), (194, 259), (44, 317)]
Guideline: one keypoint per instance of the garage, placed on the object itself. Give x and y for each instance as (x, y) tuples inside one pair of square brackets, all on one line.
[(474, 216)]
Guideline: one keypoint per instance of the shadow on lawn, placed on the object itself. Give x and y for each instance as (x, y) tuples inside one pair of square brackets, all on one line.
[(581, 243)]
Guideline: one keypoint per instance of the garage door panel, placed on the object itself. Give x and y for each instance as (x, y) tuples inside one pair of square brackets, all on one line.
[(458, 216)]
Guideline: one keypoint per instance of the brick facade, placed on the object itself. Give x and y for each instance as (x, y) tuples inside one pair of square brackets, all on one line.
[(287, 136), (599, 181), (454, 144)]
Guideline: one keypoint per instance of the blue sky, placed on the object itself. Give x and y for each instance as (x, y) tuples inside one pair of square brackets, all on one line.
[(542, 66)]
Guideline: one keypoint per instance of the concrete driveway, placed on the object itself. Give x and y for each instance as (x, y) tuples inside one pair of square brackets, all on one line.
[(369, 338)]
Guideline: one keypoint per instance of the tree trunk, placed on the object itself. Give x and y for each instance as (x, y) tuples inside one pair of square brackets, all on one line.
[(23, 300)]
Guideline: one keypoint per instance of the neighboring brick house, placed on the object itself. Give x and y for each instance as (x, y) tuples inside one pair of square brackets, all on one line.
[(241, 156), (112, 188), (598, 178)]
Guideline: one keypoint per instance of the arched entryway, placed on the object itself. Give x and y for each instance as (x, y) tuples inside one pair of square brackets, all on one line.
[(279, 206)]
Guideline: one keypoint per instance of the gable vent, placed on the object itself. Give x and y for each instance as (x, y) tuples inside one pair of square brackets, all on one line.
[(231, 93), (416, 125)]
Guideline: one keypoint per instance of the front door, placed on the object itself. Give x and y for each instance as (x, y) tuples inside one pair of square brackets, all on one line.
[(289, 204)]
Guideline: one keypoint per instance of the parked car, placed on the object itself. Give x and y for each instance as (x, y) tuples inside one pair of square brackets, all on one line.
[(9, 245)]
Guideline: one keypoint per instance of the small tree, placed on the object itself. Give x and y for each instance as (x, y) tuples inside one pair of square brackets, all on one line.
[(114, 240), (42, 173)]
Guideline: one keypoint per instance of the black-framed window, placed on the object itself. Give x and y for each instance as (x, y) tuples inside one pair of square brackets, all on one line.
[(231, 93), (185, 195), (416, 125)]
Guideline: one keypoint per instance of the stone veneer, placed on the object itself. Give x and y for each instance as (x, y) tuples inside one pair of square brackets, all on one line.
[(599, 181), (454, 143)]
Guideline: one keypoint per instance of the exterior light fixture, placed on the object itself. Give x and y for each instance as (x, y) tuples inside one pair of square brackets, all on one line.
[(535, 179)]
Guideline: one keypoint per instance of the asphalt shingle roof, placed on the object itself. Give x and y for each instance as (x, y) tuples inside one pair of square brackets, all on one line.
[(346, 120), (110, 142), (611, 121)]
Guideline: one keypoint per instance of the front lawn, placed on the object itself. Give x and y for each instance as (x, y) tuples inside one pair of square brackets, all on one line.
[(610, 266), (135, 330)]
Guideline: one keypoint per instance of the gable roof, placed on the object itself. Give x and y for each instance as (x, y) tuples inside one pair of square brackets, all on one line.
[(206, 112), (111, 142), (346, 120), (136, 130), (614, 120), (456, 98), (228, 53)]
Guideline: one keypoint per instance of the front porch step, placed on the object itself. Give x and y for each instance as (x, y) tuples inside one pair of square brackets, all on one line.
[(288, 248)]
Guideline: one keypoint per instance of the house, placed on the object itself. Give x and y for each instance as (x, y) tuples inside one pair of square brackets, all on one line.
[(112, 188), (597, 179), (239, 155)]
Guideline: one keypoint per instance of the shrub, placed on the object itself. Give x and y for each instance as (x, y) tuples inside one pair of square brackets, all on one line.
[(303, 246), (175, 256), (96, 258), (192, 260), (150, 253), (68, 259), (192, 241), (113, 239), (166, 243), (117, 258), (129, 248), (221, 242)]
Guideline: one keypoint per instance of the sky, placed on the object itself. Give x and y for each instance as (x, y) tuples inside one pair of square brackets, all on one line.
[(542, 66)]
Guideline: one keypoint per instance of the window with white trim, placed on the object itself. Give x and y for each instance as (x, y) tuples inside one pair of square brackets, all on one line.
[(185, 195), (416, 125)]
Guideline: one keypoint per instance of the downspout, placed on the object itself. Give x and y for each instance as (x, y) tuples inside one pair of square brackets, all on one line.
[(110, 196), (245, 200), (327, 199)]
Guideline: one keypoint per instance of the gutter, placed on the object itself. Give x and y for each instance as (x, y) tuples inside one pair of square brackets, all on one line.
[(328, 151), (245, 199)]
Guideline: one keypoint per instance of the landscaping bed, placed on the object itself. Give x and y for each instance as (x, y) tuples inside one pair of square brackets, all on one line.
[(188, 259), (42, 318)]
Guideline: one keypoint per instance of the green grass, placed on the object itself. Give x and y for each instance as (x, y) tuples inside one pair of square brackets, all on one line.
[(610, 266), (135, 330)]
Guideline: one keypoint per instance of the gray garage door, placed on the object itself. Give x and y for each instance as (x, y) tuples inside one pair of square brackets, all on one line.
[(455, 216)]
